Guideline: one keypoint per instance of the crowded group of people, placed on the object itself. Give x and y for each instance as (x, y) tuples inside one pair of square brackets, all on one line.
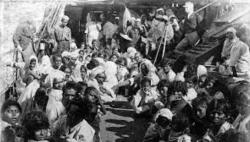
[(65, 90)]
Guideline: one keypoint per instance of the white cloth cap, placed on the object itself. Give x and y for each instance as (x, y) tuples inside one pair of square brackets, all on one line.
[(65, 18), (160, 9), (231, 30), (74, 55), (165, 112), (125, 37), (65, 54), (201, 70), (188, 4), (42, 46)]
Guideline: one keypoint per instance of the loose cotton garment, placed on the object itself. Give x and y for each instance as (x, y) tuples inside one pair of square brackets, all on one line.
[(54, 106)]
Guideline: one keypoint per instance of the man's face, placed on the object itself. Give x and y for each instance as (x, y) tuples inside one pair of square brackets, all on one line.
[(70, 93), (230, 35), (113, 58), (73, 116), (12, 114), (65, 22), (94, 44), (83, 73), (41, 134), (100, 77), (138, 57), (67, 72), (201, 110), (218, 117)]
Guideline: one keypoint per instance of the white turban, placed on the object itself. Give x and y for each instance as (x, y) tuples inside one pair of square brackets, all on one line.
[(65, 54), (74, 55), (201, 70), (165, 112), (131, 51)]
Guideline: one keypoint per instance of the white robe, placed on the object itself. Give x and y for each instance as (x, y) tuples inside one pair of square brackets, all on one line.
[(26, 98), (82, 132), (54, 106), (111, 71), (104, 97)]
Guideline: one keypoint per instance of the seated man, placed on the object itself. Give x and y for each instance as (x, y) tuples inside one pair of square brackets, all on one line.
[(190, 25), (145, 98)]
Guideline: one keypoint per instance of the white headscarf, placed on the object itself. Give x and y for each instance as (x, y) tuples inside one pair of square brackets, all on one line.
[(201, 70)]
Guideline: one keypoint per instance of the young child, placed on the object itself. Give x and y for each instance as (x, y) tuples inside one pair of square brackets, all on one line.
[(156, 130), (200, 124), (36, 126), (73, 46), (162, 87), (122, 71), (11, 112), (54, 107), (145, 98), (179, 129), (218, 115), (176, 92), (31, 72)]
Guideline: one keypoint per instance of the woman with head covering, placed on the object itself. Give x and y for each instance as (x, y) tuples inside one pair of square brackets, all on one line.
[(111, 71), (44, 64), (97, 80), (31, 70)]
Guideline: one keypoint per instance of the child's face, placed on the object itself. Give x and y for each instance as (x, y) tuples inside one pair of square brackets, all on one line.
[(12, 114), (81, 53), (58, 61), (201, 110), (88, 58), (146, 87), (218, 117), (41, 134), (163, 91), (166, 68), (81, 59), (113, 59), (32, 65), (189, 84), (82, 46), (83, 73), (202, 80), (92, 96), (67, 72)]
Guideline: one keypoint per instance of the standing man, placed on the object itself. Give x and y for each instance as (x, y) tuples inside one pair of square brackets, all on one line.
[(191, 22), (63, 35), (23, 39)]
